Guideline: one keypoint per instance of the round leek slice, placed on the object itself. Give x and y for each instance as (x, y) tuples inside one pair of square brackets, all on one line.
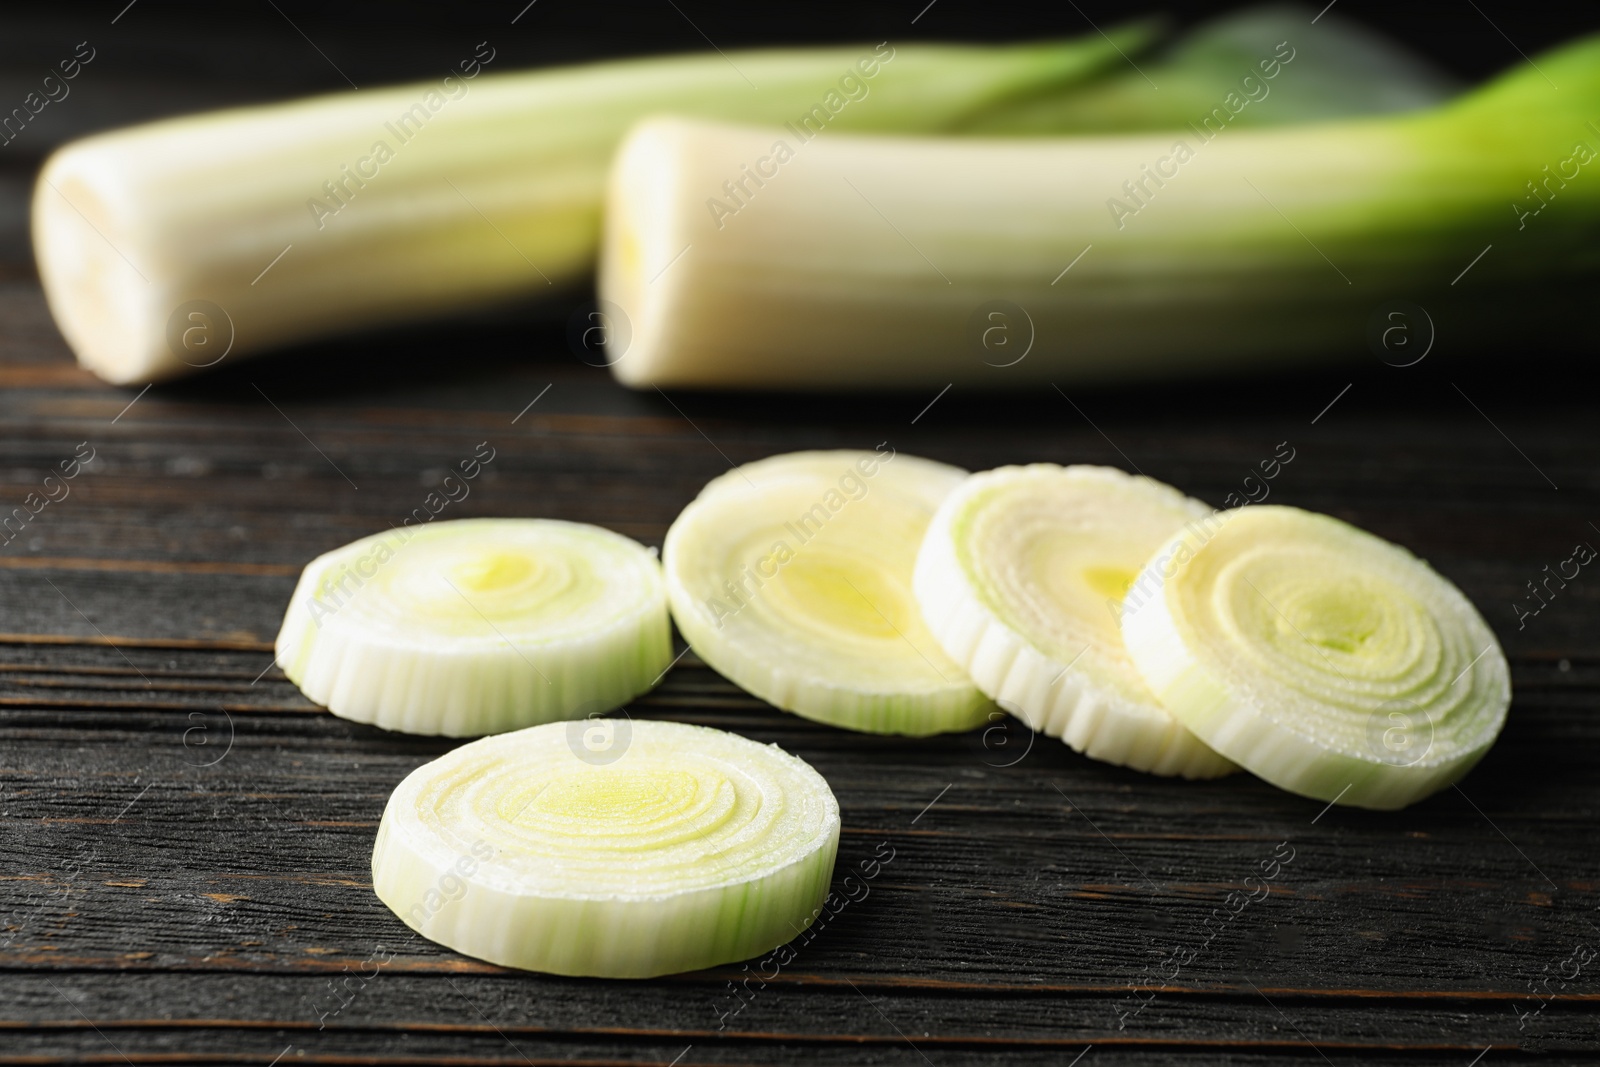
[(477, 626), (609, 847), (1021, 578), (792, 577), (1325, 660)]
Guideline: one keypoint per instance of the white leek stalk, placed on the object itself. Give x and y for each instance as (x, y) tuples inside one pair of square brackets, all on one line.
[(476, 626), (164, 246), (610, 848), (1323, 659), (875, 261), (1021, 577), (792, 577)]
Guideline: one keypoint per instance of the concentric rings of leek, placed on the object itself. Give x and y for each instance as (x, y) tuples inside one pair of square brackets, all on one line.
[(684, 847), (792, 577), (1021, 578), (478, 625), (1323, 659)]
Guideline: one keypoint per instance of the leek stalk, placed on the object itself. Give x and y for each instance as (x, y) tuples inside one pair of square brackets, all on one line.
[(285, 223), (871, 261)]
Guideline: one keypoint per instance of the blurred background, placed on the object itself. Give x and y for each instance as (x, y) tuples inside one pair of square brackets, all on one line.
[(156, 57)]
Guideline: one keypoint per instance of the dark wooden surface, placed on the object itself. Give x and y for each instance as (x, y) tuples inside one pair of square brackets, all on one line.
[(158, 903), (184, 839)]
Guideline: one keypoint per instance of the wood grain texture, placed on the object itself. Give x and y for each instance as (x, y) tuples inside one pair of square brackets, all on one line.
[(184, 839)]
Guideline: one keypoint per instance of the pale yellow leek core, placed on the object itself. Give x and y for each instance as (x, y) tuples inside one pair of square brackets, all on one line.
[(609, 847)]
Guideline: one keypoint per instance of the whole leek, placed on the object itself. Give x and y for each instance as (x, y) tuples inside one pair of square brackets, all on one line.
[(908, 261)]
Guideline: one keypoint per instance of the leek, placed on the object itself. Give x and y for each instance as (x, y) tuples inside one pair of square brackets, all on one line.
[(675, 848), (1323, 659), (869, 261), (476, 626), (792, 577), (165, 246), (1020, 578)]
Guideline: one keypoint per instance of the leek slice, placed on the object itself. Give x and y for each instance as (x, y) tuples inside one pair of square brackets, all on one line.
[(164, 246), (673, 848), (914, 261), (1021, 577), (475, 626), (1322, 658), (792, 577)]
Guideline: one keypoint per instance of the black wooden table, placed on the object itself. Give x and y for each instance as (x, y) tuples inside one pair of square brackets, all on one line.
[(184, 839)]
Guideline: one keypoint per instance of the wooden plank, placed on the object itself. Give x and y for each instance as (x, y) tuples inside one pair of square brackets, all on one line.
[(1002, 885), (372, 1001)]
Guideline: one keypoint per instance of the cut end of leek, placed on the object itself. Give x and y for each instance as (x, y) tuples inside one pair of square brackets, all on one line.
[(792, 577), (1021, 578), (639, 228), (110, 314), (667, 848), (478, 625), (1322, 658)]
